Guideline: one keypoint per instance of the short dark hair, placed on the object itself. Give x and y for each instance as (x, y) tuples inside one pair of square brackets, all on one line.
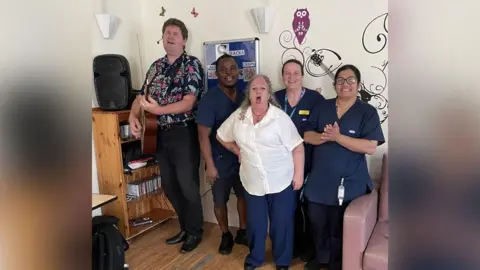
[(179, 24), (224, 56), (293, 61), (348, 67)]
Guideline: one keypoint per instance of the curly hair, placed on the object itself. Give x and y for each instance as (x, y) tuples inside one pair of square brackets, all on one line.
[(246, 102)]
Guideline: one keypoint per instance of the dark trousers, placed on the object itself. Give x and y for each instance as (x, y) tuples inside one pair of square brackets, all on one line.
[(280, 207), (303, 241), (327, 229), (179, 160)]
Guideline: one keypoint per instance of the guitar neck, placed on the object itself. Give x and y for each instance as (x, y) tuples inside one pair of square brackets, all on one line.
[(327, 70)]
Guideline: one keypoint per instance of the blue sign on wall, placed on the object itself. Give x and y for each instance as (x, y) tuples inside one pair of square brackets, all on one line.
[(245, 51)]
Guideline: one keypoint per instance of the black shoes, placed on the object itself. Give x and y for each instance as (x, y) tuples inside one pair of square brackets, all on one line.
[(180, 237), (248, 266), (191, 242), (314, 265), (296, 254), (307, 256), (226, 245), (241, 238)]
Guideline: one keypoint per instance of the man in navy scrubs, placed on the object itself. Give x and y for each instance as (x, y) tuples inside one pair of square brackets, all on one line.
[(222, 165), (298, 102), (343, 129)]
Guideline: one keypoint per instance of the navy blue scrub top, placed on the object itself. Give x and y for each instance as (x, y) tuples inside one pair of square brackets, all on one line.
[(331, 161), (214, 108), (300, 114)]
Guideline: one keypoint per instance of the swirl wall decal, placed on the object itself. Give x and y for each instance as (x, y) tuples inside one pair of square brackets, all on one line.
[(374, 93), (292, 50), (314, 60), (380, 37)]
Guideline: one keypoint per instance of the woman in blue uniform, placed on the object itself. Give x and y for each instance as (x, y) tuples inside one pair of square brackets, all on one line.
[(343, 131), (298, 101)]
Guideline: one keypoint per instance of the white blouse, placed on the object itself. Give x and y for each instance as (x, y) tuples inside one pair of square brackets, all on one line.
[(266, 164)]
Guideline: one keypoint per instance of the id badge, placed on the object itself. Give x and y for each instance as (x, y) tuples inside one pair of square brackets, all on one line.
[(341, 193)]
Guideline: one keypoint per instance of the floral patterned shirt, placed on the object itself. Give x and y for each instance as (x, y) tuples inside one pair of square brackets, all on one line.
[(187, 74)]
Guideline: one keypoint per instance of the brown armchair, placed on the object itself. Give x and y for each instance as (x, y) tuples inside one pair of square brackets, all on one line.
[(365, 229)]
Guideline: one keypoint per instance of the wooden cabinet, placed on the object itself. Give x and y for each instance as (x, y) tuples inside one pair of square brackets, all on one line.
[(112, 179)]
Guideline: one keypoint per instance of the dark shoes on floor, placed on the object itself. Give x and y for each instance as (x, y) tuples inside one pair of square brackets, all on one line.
[(226, 245), (180, 237), (314, 265), (190, 242), (248, 266), (305, 256), (241, 238)]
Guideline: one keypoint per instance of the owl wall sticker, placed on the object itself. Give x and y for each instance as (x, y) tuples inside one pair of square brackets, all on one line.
[(301, 23)]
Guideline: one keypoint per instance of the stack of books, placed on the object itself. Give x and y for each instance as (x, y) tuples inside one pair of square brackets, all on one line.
[(140, 221)]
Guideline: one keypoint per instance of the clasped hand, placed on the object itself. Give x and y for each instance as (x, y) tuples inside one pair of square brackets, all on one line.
[(331, 132)]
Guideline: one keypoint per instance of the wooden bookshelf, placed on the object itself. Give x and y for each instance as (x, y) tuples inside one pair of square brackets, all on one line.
[(113, 180), (129, 140)]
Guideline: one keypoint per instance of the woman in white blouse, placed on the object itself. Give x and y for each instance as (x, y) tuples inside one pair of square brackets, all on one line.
[(272, 161)]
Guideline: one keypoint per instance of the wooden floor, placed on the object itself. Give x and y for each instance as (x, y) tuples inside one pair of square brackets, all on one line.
[(149, 252)]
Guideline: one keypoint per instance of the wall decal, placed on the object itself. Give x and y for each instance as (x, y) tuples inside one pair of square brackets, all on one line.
[(323, 62), (163, 12), (194, 13), (313, 59), (291, 50), (373, 94), (381, 37), (301, 23), (315, 63)]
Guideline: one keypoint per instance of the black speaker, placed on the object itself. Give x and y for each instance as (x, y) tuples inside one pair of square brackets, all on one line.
[(113, 82)]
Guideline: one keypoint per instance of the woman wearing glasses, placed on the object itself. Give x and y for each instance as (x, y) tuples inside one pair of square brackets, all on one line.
[(343, 131)]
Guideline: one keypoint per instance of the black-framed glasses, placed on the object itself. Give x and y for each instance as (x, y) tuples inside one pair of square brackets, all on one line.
[(350, 80)]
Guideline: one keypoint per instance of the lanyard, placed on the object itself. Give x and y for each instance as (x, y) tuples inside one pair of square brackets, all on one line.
[(294, 108)]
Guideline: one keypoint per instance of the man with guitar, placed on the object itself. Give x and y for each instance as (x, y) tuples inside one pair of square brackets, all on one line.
[(172, 86)]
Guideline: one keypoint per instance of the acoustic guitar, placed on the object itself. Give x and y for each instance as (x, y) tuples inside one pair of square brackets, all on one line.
[(149, 129), (148, 121)]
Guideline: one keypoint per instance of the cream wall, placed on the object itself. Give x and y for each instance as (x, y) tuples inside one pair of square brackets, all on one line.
[(335, 25), (124, 42)]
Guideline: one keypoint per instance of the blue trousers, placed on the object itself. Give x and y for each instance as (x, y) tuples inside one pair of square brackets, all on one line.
[(327, 229), (280, 208)]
